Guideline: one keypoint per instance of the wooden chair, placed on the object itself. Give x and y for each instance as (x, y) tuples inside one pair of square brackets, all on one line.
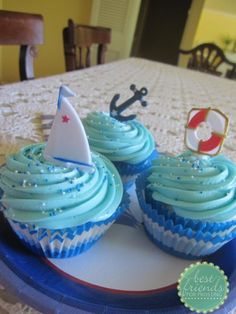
[(22, 29), (78, 40), (207, 58)]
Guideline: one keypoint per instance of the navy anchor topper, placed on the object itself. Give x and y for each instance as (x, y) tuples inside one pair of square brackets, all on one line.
[(115, 111)]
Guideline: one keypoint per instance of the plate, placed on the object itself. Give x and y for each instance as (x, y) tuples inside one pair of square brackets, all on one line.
[(123, 273)]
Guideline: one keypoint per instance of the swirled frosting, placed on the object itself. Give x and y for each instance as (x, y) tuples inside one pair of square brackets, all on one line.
[(50, 196), (128, 142), (196, 187)]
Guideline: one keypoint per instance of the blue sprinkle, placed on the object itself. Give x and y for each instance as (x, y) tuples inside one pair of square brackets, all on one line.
[(50, 168), (178, 178)]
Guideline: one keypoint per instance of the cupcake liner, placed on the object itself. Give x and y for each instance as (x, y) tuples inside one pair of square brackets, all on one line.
[(67, 242), (133, 214), (182, 248), (165, 213), (180, 239), (183, 244), (168, 224), (127, 169), (128, 181)]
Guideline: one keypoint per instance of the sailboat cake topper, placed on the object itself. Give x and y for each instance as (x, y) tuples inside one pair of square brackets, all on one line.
[(67, 144)]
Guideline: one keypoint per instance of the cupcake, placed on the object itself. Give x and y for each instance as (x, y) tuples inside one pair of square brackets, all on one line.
[(189, 201), (121, 138), (58, 211), (129, 145), (189, 204), (60, 197)]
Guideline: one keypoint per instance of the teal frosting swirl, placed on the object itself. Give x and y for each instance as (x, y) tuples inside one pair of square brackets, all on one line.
[(196, 187), (50, 196), (128, 142)]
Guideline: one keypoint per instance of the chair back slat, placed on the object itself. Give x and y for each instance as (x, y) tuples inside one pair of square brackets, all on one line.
[(20, 28), (25, 30), (88, 58), (207, 58), (80, 38), (202, 58)]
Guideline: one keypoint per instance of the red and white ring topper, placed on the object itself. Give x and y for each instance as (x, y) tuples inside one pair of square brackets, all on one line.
[(216, 121)]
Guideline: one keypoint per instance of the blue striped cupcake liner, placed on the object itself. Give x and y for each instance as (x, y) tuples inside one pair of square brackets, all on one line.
[(166, 213), (127, 169), (129, 172), (180, 246), (67, 242), (180, 239), (183, 242), (128, 181), (206, 226)]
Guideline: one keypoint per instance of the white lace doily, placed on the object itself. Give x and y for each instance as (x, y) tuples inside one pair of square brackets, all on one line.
[(172, 93)]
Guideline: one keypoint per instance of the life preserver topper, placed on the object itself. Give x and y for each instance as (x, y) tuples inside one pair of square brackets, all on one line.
[(218, 123)]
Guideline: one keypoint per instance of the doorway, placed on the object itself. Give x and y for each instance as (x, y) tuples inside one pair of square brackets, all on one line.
[(159, 29)]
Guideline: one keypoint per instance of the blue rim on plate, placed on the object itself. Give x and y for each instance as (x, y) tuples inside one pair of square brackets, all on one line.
[(39, 274)]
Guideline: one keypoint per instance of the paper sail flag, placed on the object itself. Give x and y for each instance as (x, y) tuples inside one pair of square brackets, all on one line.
[(213, 119), (67, 144)]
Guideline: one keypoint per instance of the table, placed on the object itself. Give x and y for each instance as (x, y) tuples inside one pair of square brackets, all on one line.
[(172, 93)]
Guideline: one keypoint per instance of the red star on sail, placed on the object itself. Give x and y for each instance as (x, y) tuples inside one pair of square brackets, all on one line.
[(65, 119)]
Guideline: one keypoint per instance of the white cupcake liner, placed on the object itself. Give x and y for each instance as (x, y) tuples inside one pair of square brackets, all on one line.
[(59, 244), (186, 239), (128, 181), (180, 245), (66, 242)]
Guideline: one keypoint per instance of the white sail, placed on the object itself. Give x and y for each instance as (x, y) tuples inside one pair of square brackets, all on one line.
[(67, 143)]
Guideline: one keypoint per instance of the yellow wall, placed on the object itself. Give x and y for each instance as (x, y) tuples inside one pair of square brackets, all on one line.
[(214, 25), (218, 21), (190, 30), (228, 6), (50, 59)]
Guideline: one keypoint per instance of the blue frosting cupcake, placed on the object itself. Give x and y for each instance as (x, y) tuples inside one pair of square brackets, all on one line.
[(129, 145), (58, 211), (189, 203)]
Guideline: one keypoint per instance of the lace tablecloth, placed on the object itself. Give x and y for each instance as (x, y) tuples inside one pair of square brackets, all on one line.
[(172, 93)]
